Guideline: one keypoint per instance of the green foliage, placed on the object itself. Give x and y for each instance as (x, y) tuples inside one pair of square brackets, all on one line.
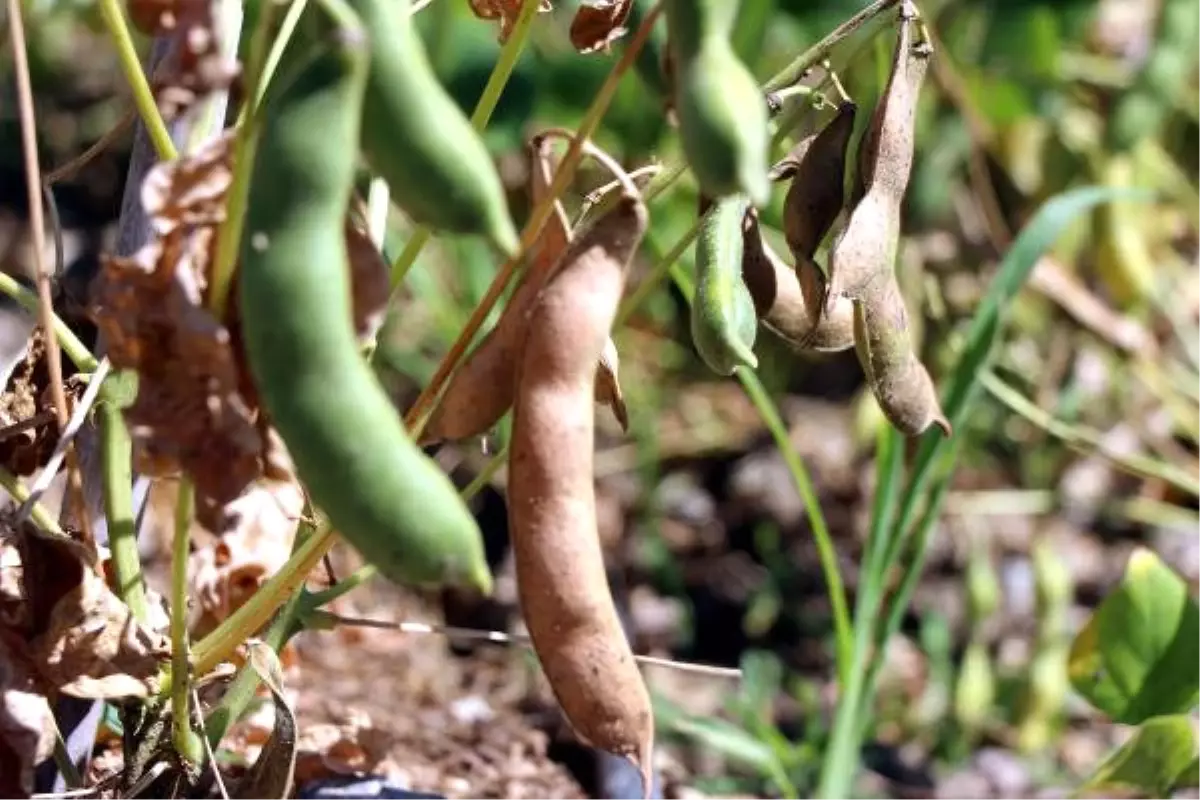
[(1136, 657), (1160, 758)]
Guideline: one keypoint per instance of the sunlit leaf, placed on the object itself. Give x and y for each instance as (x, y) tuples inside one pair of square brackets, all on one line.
[(1160, 757), (1136, 657)]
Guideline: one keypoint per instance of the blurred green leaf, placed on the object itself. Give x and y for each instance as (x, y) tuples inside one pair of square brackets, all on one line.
[(737, 745), (1136, 657), (1159, 758)]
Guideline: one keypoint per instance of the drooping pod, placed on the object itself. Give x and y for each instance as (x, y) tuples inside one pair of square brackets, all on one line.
[(897, 378), (420, 142), (723, 320), (349, 447), (481, 390), (816, 196), (782, 306), (867, 246), (562, 585), (721, 110)]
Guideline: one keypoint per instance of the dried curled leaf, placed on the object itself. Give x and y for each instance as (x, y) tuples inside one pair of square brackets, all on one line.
[(26, 726), (190, 413), (596, 26), (28, 425), (78, 636), (505, 12)]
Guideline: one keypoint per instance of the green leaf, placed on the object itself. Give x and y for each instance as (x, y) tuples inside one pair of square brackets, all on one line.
[(1190, 777), (1158, 759), (1136, 657), (736, 745)]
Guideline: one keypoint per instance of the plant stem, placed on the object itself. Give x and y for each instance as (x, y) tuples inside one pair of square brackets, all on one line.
[(80, 356), (841, 757), (118, 509), (415, 419), (245, 145), (247, 620), (38, 514), (241, 691), (794, 71), (510, 53), (804, 486), (131, 66), (180, 672)]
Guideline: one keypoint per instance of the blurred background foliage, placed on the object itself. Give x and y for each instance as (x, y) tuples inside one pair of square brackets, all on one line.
[(1084, 447)]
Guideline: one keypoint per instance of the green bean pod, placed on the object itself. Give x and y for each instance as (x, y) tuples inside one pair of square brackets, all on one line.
[(349, 446), (724, 322), (420, 142), (722, 113)]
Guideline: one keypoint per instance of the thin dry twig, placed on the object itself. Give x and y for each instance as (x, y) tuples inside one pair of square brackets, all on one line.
[(63, 448), (73, 167), (497, 637), (33, 185)]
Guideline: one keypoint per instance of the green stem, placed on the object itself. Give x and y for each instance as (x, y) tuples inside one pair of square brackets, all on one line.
[(279, 43), (116, 451), (38, 514), (510, 53), (245, 145), (314, 600), (919, 549), (794, 71), (1088, 441), (827, 553), (180, 683), (239, 694), (247, 620), (485, 475), (131, 66), (80, 356), (841, 757)]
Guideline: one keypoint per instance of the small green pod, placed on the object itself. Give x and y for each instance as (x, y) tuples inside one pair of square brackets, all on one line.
[(349, 446), (724, 323), (420, 142), (722, 113)]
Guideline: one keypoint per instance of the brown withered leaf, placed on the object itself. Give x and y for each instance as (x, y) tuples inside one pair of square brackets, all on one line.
[(197, 66), (26, 726), (370, 283), (505, 12), (597, 26), (27, 411), (190, 413), (79, 637)]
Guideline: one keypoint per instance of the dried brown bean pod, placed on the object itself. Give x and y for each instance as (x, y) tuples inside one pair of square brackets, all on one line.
[(562, 586), (781, 304), (901, 384), (818, 172), (481, 391), (867, 246)]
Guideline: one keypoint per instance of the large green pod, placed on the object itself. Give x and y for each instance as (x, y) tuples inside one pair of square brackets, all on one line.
[(420, 142), (349, 446), (723, 115)]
